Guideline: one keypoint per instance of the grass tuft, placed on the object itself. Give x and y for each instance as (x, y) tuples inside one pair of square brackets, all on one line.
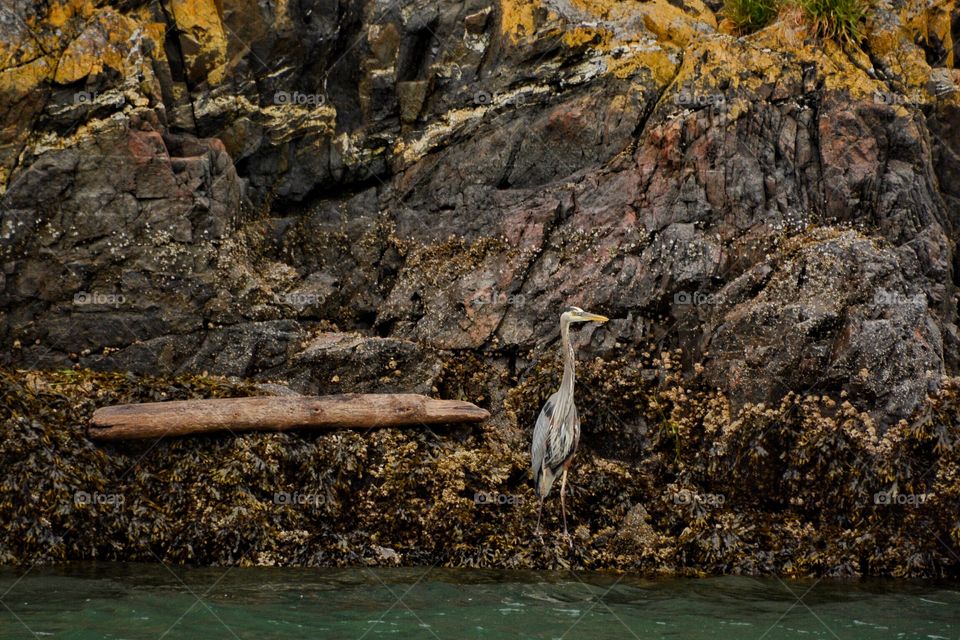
[(839, 20), (750, 15)]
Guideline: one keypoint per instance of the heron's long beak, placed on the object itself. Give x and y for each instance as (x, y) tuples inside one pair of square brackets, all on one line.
[(592, 317)]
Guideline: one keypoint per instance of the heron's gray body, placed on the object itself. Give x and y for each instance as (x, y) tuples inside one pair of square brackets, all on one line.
[(557, 431), (549, 455)]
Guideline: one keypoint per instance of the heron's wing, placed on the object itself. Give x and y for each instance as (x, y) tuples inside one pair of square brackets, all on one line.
[(575, 417), (540, 448)]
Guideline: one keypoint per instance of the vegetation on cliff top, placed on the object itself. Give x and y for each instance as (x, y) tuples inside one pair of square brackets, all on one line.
[(840, 20)]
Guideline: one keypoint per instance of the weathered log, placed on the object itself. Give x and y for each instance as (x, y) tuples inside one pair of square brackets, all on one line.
[(270, 413)]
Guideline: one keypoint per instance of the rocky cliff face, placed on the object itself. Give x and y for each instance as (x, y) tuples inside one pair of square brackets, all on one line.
[(353, 196), (194, 185)]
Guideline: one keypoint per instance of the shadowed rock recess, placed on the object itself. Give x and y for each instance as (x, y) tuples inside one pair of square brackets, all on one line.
[(204, 198)]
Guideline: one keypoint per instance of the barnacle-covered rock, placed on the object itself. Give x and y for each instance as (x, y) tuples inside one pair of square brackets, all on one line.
[(805, 487)]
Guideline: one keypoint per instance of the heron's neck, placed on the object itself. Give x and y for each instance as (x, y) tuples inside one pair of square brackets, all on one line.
[(569, 358)]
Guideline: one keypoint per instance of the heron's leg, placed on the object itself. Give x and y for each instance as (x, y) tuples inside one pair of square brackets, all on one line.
[(563, 504), (539, 513)]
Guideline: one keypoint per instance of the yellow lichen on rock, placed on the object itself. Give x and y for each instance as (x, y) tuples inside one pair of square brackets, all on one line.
[(932, 23), (895, 43), (60, 13), (71, 41), (22, 79), (742, 69), (636, 37), (202, 39), (31, 42), (101, 45), (663, 19), (517, 19), (672, 24), (842, 74), (654, 60), (582, 35)]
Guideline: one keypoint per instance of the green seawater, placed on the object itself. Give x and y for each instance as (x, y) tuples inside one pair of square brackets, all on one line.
[(104, 600)]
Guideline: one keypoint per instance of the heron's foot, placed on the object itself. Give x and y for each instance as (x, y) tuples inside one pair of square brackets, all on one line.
[(568, 538)]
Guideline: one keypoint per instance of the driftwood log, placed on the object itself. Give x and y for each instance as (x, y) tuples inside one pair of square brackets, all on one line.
[(270, 413)]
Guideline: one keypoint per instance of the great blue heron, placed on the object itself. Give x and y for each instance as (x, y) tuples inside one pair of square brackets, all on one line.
[(558, 427)]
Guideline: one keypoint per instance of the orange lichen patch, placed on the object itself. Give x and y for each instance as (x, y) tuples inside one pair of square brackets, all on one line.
[(841, 74), (71, 41), (517, 19), (60, 13), (23, 79), (598, 8), (202, 39), (672, 24), (101, 45), (885, 42), (772, 59), (655, 61), (623, 12), (641, 36), (663, 19), (62, 22), (932, 23), (714, 60), (579, 36), (894, 41), (156, 32), (894, 46), (629, 37)]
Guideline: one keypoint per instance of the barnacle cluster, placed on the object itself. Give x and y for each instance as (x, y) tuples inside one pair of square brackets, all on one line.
[(669, 479)]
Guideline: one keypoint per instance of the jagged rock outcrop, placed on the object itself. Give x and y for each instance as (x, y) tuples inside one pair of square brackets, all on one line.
[(193, 185)]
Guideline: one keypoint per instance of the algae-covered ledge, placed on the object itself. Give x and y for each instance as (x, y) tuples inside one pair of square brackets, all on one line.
[(669, 481), (398, 197)]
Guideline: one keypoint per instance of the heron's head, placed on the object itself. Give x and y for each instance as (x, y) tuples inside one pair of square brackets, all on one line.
[(572, 315)]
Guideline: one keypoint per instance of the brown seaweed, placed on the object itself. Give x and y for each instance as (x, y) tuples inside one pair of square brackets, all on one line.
[(668, 479)]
